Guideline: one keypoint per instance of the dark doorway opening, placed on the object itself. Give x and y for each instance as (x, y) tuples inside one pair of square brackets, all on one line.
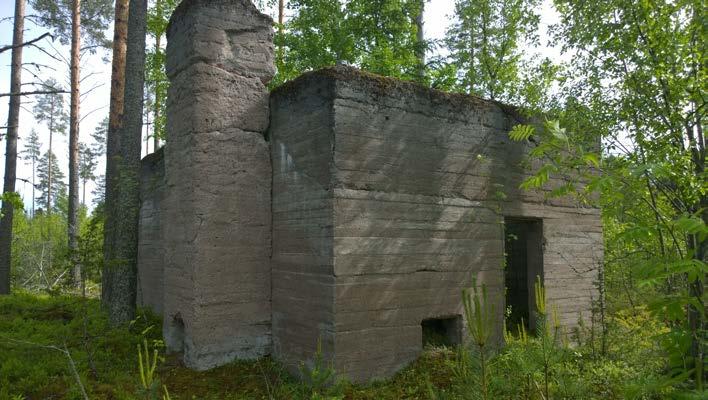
[(446, 331), (523, 248)]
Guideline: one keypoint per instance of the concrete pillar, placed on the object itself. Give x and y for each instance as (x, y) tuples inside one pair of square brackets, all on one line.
[(217, 222)]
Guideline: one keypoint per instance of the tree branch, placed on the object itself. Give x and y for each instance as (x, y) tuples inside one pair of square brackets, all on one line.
[(33, 92), (37, 39)]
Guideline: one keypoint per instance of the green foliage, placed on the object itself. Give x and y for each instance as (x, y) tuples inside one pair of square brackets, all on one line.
[(376, 35), (50, 108), (96, 16), (39, 254), (39, 251), (29, 322), (150, 385), (630, 370), (13, 198), (485, 45), (320, 381), (156, 82), (50, 180), (521, 132)]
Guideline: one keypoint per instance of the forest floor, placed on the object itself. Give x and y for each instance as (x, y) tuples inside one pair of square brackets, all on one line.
[(37, 330), (41, 336)]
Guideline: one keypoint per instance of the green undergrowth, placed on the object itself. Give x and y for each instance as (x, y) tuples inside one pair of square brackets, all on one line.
[(38, 331)]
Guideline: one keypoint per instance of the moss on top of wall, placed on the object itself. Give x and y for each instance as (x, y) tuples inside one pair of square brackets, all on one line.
[(379, 85)]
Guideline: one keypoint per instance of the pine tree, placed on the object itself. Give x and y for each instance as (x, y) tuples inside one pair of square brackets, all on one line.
[(55, 183), (32, 155), (87, 165), (122, 179), (13, 121), (89, 20), (98, 149), (50, 110), (99, 192)]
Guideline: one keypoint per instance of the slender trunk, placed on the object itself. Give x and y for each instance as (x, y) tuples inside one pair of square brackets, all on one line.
[(696, 321), (73, 217), (420, 38), (123, 174), (158, 100), (115, 117), (49, 161), (83, 192), (34, 173), (13, 120), (147, 133)]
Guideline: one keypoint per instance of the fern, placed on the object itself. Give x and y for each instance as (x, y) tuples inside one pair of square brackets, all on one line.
[(521, 132)]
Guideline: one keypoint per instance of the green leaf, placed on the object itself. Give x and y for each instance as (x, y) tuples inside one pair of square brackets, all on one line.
[(521, 132), (692, 226), (592, 159)]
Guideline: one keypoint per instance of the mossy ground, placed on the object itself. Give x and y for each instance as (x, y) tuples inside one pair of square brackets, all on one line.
[(36, 331), (106, 358)]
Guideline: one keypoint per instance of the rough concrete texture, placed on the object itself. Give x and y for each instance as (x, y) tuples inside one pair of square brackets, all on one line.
[(387, 202), (216, 220), (302, 261), (373, 205), (150, 236)]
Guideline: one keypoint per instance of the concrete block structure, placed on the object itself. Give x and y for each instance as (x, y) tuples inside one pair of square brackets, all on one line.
[(342, 207)]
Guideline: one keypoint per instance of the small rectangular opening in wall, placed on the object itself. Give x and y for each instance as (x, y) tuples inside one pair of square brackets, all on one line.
[(523, 249), (444, 331)]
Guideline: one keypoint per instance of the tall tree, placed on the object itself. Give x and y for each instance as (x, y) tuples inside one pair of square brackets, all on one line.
[(115, 121), (99, 191), (96, 18), (637, 85), (13, 122), (50, 110), (98, 150), (87, 166), (485, 45), (376, 35), (420, 37), (122, 177), (54, 183), (644, 65), (32, 154), (73, 221), (156, 77)]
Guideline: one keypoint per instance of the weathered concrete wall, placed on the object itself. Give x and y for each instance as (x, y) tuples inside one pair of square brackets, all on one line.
[(303, 279), (150, 236), (408, 183), (217, 219)]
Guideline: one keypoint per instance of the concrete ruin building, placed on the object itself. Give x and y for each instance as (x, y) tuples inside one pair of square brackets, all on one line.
[(342, 207)]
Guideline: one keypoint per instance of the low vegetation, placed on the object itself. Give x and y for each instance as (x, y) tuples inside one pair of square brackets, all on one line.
[(43, 336)]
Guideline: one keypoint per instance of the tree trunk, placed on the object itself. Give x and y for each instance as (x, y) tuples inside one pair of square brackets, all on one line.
[(115, 118), (420, 37), (34, 173), (13, 120), (49, 162), (121, 248), (73, 217), (158, 100)]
